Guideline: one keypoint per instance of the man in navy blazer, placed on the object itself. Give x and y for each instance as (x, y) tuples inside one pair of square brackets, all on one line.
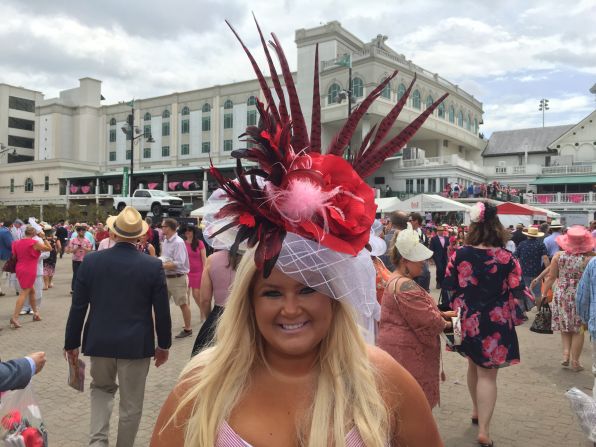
[(439, 244), (16, 374), (122, 288)]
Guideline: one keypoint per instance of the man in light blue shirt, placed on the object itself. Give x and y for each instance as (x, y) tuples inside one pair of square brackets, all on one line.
[(585, 301), (550, 241)]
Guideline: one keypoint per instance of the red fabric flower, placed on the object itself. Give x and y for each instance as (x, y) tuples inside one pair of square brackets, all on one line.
[(32, 437), (350, 212), (247, 219), (11, 420)]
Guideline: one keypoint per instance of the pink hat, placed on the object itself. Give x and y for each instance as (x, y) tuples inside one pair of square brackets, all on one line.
[(576, 240)]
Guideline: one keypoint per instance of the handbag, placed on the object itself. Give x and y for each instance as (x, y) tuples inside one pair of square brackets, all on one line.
[(453, 335), (10, 266), (542, 322)]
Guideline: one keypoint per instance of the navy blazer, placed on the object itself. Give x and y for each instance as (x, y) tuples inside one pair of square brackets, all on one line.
[(122, 288), (439, 251), (14, 374)]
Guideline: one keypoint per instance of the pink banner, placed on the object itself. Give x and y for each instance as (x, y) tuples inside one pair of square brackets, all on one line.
[(85, 189), (542, 198), (186, 185), (74, 189), (575, 198), (152, 185), (172, 185)]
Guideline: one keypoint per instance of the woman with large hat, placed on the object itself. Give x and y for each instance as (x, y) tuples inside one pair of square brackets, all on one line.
[(289, 364), (567, 266)]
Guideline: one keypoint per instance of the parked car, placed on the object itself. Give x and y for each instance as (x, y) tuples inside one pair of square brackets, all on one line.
[(154, 200)]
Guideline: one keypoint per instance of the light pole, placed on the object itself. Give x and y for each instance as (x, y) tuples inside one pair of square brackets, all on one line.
[(346, 61), (4, 149), (133, 139), (543, 107)]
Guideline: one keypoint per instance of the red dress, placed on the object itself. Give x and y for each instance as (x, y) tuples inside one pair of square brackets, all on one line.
[(27, 257)]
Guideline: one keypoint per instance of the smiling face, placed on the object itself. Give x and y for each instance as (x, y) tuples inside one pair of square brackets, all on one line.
[(292, 318)]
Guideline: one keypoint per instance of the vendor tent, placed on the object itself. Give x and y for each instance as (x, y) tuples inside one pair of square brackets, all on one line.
[(432, 203), (387, 204), (514, 213), (550, 214)]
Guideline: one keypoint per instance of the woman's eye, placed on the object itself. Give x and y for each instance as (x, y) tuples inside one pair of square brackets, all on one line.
[(271, 293), (307, 290)]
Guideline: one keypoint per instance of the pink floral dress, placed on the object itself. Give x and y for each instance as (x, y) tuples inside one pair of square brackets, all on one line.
[(565, 316), (487, 286)]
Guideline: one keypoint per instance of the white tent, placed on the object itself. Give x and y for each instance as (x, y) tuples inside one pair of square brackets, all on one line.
[(549, 213), (387, 204), (433, 203)]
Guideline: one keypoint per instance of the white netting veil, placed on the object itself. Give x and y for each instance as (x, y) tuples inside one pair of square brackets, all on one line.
[(338, 275)]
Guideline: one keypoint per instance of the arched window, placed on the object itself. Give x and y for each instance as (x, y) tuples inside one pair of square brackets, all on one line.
[(113, 122), (429, 101), (357, 88), (401, 91), (469, 123), (165, 114), (332, 93), (441, 110), (206, 108), (252, 101), (185, 111), (460, 119), (451, 114), (28, 185), (147, 117), (228, 104), (416, 100), (386, 93), (475, 125)]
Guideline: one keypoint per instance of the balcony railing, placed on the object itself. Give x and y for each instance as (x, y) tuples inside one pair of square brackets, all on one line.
[(449, 160), (559, 198), (535, 169), (573, 169)]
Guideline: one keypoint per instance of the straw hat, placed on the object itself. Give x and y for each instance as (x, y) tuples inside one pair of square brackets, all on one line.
[(577, 240), (554, 224), (128, 224), (533, 232)]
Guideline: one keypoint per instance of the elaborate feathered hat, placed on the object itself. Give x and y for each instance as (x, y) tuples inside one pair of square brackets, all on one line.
[(296, 188)]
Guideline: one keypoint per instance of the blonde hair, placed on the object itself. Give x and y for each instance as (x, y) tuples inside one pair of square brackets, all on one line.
[(346, 392)]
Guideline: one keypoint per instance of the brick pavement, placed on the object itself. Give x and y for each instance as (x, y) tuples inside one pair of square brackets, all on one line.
[(531, 409)]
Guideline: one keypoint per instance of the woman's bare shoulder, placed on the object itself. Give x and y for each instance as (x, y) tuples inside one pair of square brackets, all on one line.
[(392, 378)]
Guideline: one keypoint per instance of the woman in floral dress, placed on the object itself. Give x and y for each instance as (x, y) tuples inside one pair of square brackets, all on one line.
[(485, 280), (567, 266)]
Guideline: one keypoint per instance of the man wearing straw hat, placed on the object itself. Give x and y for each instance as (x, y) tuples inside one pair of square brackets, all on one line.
[(123, 288), (550, 241), (533, 258)]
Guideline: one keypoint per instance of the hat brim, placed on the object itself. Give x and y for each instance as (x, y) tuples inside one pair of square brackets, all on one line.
[(378, 247), (111, 224), (586, 245), (539, 234), (419, 253)]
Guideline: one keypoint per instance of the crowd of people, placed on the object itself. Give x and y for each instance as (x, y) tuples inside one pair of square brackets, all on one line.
[(494, 190), (318, 326)]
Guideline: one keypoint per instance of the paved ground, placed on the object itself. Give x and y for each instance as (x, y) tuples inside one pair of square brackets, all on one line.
[(531, 408)]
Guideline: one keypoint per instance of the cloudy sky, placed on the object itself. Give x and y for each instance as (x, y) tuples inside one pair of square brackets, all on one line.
[(508, 53)]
